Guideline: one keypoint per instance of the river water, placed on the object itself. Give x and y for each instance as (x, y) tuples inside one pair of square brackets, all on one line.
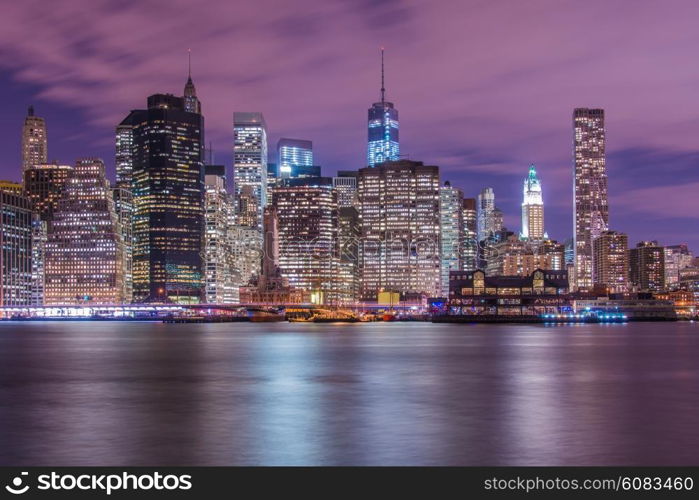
[(120, 393)]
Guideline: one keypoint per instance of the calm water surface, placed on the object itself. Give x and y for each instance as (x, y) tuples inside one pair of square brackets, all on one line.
[(103, 393)]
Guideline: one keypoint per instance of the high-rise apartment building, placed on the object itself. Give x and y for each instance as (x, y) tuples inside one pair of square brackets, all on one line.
[(84, 261), (34, 143), (611, 261), (15, 246), (399, 217), (647, 267), (451, 224), (532, 208), (591, 209), (168, 196), (250, 160), (383, 129)]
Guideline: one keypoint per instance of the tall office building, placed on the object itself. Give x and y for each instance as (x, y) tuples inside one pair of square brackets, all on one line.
[(39, 239), (532, 208), (218, 254), (84, 252), (123, 207), (15, 246), (43, 185), (469, 235), (647, 267), (293, 153), (250, 160), (124, 151), (591, 210), (399, 216), (168, 194), (611, 261), (349, 234), (345, 183), (383, 129), (677, 257), (34, 143), (451, 223), (489, 216), (307, 218)]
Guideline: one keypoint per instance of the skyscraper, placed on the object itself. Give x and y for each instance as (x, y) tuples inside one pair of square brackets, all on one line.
[(647, 267), (34, 144), (307, 218), (250, 159), (218, 254), (15, 246), (399, 217), (349, 234), (43, 184), (345, 183), (469, 241), (532, 208), (168, 193), (293, 153), (124, 151), (451, 223), (590, 200), (123, 207), (677, 257), (84, 252), (611, 261), (489, 216), (383, 129)]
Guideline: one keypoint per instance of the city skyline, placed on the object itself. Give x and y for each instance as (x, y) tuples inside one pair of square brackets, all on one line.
[(475, 122)]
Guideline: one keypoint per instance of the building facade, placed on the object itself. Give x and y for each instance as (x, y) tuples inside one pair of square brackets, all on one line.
[(532, 208), (611, 261), (399, 217), (16, 221), (84, 262), (489, 216), (168, 196), (450, 220), (250, 160), (34, 142), (677, 257), (293, 153), (647, 267), (469, 235), (591, 209), (43, 185), (345, 183)]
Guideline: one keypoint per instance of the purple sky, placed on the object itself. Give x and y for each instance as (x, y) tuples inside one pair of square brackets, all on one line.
[(483, 87)]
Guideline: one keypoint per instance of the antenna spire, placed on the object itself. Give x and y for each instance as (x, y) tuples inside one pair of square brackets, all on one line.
[(189, 63), (383, 88)]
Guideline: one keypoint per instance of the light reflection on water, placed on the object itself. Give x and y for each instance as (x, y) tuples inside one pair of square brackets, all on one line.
[(102, 393)]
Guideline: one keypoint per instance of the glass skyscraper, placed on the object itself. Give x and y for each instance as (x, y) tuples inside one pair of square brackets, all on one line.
[(451, 200), (250, 160), (168, 197), (293, 153), (383, 129)]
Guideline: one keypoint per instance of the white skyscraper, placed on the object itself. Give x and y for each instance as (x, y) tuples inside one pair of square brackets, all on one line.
[(250, 158), (489, 217), (532, 208), (451, 202)]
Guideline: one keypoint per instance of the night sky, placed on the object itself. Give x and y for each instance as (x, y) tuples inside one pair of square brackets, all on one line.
[(483, 88)]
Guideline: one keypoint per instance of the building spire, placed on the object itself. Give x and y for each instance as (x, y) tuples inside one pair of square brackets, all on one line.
[(30, 111), (189, 64), (383, 88)]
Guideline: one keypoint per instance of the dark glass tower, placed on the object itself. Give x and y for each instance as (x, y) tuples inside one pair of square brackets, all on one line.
[(383, 129), (168, 198)]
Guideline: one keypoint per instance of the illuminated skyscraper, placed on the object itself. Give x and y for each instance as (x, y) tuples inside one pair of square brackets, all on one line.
[(611, 261), (489, 216), (451, 223), (248, 207), (84, 252), (168, 193), (15, 246), (307, 218), (123, 207), (218, 254), (293, 153), (43, 184), (124, 151), (345, 183), (399, 217), (34, 144), (383, 129), (532, 208), (469, 235), (349, 234), (590, 200), (250, 159), (677, 257), (647, 267)]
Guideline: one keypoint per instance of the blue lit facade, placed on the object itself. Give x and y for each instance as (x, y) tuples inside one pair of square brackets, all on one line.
[(293, 153), (383, 133)]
